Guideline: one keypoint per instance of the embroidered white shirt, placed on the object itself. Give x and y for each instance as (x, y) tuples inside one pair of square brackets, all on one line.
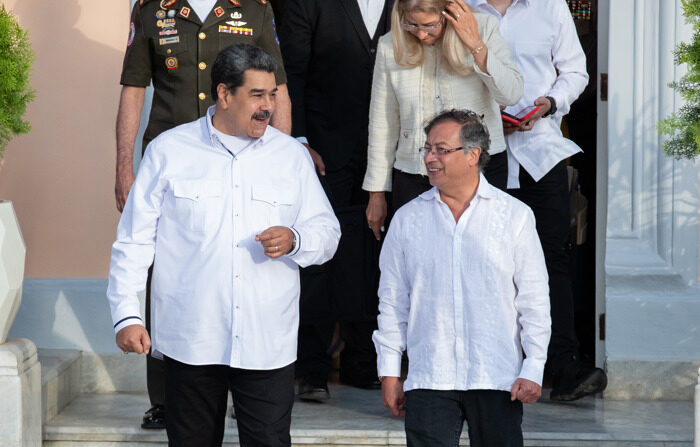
[(546, 49), (465, 298), (216, 297)]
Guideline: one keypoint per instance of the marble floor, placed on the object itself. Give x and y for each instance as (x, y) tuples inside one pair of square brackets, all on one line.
[(356, 417)]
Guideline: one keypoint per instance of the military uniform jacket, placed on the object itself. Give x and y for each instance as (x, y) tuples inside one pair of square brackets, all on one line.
[(170, 46)]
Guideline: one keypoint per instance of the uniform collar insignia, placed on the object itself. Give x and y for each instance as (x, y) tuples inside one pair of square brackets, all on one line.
[(219, 11), (185, 12)]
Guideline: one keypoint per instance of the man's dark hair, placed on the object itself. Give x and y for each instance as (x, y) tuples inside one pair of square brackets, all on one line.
[(232, 62), (472, 134)]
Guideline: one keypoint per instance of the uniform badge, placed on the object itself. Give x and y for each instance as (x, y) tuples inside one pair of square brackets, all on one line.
[(236, 15), (168, 32), (171, 13), (171, 63), (185, 12), (219, 11), (235, 3), (132, 34), (169, 40), (160, 14), (274, 32), (263, 2), (165, 4), (165, 23), (236, 30), (236, 23)]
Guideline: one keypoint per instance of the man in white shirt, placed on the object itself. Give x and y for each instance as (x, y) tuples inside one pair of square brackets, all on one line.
[(546, 50), (231, 208), (329, 48), (463, 290)]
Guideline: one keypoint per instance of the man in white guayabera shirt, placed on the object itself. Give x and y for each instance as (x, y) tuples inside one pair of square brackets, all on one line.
[(231, 208), (463, 290)]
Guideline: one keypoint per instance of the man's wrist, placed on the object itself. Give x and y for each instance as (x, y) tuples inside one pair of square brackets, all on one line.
[(552, 106)]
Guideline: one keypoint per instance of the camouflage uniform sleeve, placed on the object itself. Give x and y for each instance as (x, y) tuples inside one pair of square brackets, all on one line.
[(136, 70), (268, 42)]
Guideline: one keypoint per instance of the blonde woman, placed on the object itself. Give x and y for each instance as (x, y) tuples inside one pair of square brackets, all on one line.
[(439, 55)]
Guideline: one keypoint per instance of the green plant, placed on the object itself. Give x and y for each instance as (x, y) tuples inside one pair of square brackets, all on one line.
[(16, 57), (683, 127)]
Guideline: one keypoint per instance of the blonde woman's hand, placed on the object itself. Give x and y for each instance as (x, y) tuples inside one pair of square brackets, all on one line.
[(464, 23)]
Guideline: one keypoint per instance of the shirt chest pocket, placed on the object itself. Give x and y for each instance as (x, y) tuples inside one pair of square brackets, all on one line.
[(274, 205), (199, 204)]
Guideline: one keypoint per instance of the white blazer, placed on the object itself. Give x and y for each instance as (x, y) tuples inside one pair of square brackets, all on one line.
[(397, 117)]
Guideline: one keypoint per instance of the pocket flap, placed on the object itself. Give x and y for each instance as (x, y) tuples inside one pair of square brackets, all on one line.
[(275, 196), (197, 189)]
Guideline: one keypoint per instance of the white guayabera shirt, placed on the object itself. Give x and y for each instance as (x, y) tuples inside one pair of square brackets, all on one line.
[(542, 37), (465, 298), (216, 297)]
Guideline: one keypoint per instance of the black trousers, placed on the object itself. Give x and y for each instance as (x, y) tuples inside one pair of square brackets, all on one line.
[(549, 200), (406, 187), (155, 368), (327, 296), (196, 400), (435, 418)]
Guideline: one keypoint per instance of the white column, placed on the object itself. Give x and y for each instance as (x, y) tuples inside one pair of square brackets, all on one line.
[(20, 388)]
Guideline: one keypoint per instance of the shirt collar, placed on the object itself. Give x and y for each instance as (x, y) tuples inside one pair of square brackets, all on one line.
[(216, 141), (479, 3), (484, 190)]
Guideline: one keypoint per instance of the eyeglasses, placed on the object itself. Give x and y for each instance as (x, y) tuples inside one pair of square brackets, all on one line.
[(428, 29), (438, 151)]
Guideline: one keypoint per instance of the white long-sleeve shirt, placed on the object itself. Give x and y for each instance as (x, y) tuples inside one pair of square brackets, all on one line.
[(465, 298), (546, 49), (216, 297)]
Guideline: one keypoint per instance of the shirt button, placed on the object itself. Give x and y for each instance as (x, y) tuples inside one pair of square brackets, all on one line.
[(202, 96), (202, 65), (236, 186), (202, 36)]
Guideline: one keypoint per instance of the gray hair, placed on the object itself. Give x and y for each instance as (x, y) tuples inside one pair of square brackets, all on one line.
[(232, 62), (473, 132)]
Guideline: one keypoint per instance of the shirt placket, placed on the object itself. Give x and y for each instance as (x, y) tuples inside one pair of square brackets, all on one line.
[(236, 275)]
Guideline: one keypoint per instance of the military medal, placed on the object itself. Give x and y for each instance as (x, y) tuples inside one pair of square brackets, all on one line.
[(171, 62), (160, 14), (169, 40), (171, 13), (236, 30), (235, 3), (165, 23), (185, 12), (219, 11)]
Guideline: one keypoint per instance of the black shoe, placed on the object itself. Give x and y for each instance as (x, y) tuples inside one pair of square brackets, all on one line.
[(583, 381), (367, 383), (154, 418), (313, 393)]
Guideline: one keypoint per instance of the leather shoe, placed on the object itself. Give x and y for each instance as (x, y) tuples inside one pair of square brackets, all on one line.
[(154, 418), (313, 393), (366, 383), (583, 382)]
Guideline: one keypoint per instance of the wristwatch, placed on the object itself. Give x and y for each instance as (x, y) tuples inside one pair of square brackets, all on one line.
[(552, 107)]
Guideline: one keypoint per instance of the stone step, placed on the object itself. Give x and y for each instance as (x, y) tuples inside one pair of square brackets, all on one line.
[(356, 418), (60, 380)]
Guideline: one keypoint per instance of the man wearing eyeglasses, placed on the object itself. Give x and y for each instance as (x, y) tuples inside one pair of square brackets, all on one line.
[(463, 290)]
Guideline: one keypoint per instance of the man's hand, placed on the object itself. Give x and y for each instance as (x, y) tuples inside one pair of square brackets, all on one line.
[(526, 391), (276, 241), (317, 159), (509, 128), (529, 123), (376, 212), (122, 186), (134, 338), (393, 396)]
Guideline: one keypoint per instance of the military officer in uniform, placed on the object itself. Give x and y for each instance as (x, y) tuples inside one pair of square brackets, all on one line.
[(173, 44)]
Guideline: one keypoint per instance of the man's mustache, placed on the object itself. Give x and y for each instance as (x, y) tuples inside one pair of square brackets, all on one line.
[(262, 115)]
